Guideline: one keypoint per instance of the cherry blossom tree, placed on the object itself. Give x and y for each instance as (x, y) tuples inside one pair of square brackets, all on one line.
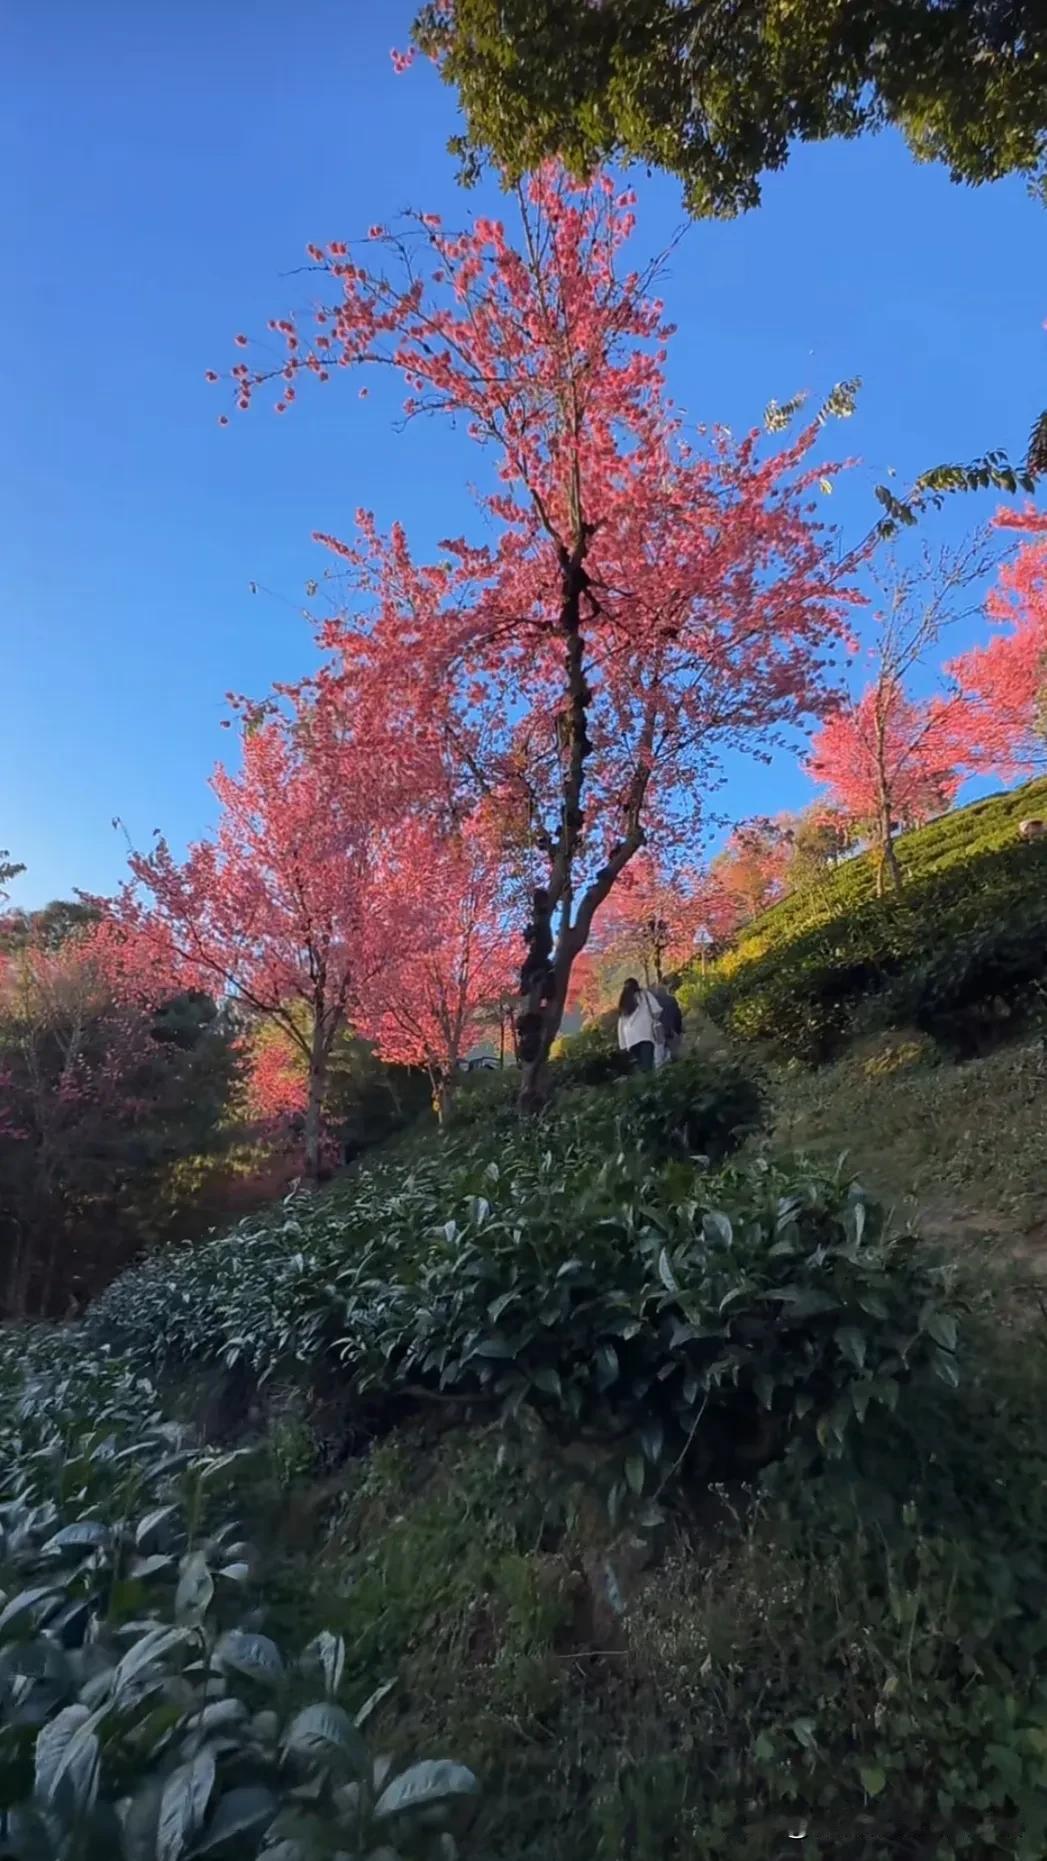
[(646, 595), (819, 837), (652, 917), (888, 760), (278, 911), (890, 763), (276, 1083), (1005, 680), (751, 871), (451, 962)]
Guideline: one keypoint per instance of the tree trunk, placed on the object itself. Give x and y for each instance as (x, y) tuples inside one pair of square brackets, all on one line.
[(888, 867), (443, 1097), (534, 1072), (314, 1114), (13, 1291)]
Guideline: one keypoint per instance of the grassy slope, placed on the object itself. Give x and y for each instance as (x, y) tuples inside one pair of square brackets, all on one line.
[(982, 827), (758, 1670), (966, 1144), (855, 1664)]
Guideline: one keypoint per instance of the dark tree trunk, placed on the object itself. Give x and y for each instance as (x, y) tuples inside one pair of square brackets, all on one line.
[(314, 1115)]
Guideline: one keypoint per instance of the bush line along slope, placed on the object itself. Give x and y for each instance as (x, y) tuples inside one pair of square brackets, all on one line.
[(958, 953)]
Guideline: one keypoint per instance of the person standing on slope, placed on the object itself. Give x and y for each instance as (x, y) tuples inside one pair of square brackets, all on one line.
[(640, 1032), (672, 1020)]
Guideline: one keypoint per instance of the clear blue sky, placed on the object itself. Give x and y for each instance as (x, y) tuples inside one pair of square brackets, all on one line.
[(163, 166)]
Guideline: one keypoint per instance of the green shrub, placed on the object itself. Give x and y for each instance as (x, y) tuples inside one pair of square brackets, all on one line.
[(959, 954), (643, 1301), (142, 1712), (486, 1100), (591, 1057), (694, 1107)]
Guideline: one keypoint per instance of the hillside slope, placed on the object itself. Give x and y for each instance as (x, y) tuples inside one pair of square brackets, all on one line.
[(959, 954)]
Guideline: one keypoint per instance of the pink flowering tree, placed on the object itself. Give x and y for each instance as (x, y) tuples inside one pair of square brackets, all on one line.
[(1005, 680), (890, 763), (451, 963), (278, 911), (105, 1086), (888, 760), (645, 595)]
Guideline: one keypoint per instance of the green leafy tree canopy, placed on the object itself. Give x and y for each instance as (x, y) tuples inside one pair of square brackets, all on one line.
[(715, 92)]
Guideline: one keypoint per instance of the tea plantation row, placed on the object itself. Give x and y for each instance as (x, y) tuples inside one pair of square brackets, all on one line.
[(960, 953)]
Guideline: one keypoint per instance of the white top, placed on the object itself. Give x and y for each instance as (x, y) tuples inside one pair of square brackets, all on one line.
[(645, 1023)]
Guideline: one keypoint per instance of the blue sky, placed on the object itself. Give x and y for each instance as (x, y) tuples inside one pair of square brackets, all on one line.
[(172, 163)]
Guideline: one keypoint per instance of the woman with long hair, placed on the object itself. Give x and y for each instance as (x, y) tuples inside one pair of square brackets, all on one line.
[(639, 1026)]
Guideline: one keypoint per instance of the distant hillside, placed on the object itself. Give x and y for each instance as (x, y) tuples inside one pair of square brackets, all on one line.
[(961, 952)]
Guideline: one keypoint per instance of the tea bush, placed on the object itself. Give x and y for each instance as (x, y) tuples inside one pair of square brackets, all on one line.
[(591, 1057), (639, 1299), (954, 839), (143, 1714), (960, 953), (694, 1107)]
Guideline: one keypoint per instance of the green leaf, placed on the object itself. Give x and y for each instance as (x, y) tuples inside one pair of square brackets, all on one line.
[(665, 1272), (547, 1380), (945, 1369), (52, 1744), (873, 1779), (852, 1343), (941, 1326), (435, 1780), (634, 1472), (183, 1805), (151, 1647), (652, 1440), (607, 1369), (25, 1602), (764, 1387), (328, 1651), (87, 1535), (716, 1227), (150, 1525), (253, 1655), (326, 1731), (195, 1586), (803, 1302), (247, 1810), (372, 1702)]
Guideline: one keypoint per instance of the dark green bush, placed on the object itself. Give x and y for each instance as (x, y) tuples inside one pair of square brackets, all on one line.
[(958, 953), (642, 1301), (142, 1713), (695, 1107), (591, 1057), (486, 1100)]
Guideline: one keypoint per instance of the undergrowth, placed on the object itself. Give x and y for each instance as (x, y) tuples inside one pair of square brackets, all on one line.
[(968, 1143), (688, 1505), (849, 1655)]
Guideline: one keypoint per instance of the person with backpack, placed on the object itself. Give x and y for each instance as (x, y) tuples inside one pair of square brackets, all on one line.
[(672, 1020), (640, 1034)]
